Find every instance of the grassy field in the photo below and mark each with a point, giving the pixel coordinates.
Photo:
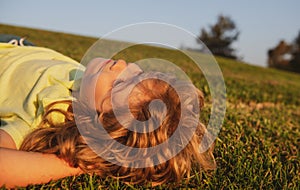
(258, 145)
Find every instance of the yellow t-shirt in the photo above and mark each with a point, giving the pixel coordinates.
(30, 79)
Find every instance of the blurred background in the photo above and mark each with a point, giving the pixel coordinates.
(249, 32)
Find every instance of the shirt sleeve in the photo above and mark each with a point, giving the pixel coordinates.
(16, 128)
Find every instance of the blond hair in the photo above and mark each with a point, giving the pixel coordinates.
(67, 143)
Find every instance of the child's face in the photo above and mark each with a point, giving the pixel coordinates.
(98, 79)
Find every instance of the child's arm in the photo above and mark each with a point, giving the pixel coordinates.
(20, 168)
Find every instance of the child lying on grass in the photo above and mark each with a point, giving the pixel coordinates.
(48, 101)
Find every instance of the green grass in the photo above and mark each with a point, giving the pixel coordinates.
(258, 145)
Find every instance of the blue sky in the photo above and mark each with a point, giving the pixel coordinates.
(261, 23)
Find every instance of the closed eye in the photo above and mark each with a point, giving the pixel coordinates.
(103, 66)
(112, 65)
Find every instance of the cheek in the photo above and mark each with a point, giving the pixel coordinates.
(102, 87)
(87, 90)
(98, 93)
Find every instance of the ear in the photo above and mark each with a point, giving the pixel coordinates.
(200, 98)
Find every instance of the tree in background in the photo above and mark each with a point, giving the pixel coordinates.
(279, 57)
(295, 61)
(285, 56)
(220, 37)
